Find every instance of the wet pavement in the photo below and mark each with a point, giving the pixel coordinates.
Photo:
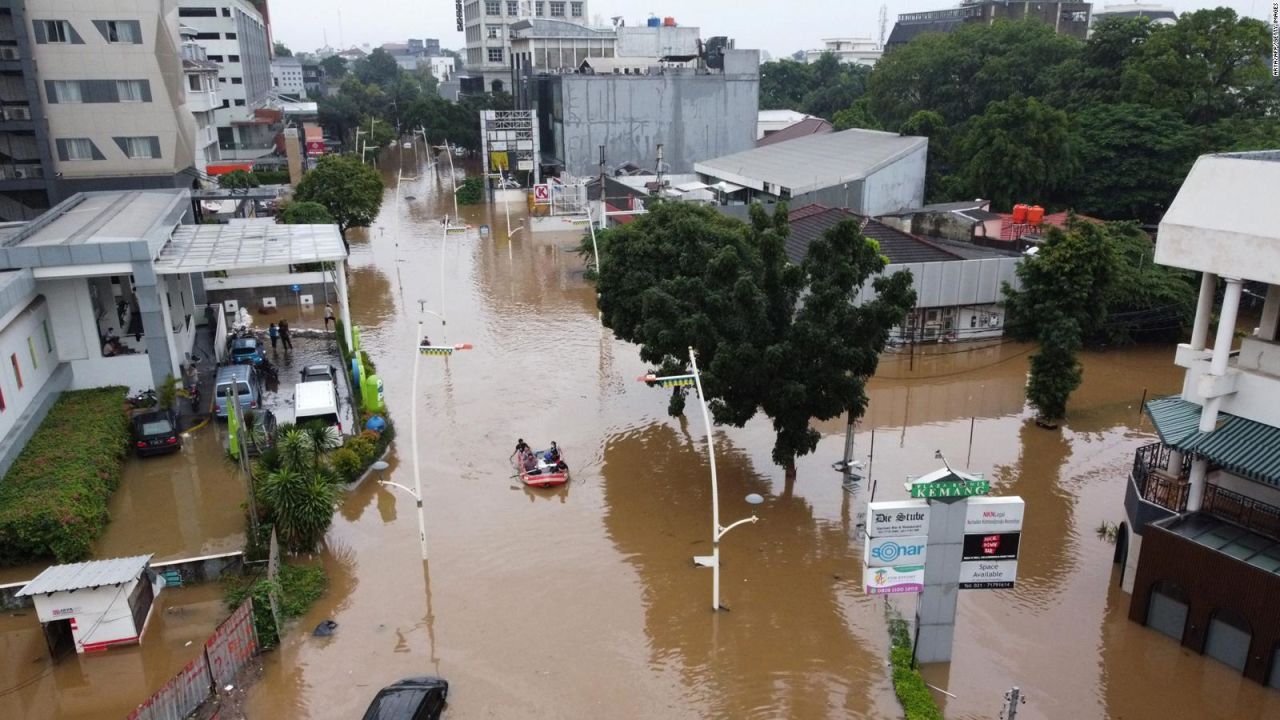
(583, 602)
(109, 684)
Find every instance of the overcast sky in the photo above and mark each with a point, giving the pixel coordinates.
(783, 29)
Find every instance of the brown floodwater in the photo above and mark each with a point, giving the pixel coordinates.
(583, 601)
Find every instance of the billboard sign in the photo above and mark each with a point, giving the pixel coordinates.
(994, 514)
(888, 552)
(886, 580)
(993, 546)
(315, 147)
(988, 574)
(950, 489)
(541, 194)
(897, 518)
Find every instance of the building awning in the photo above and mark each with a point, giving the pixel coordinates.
(726, 187)
(209, 248)
(92, 574)
(1243, 447)
(229, 167)
(692, 186)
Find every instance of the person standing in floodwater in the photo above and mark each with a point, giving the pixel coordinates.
(273, 332)
(328, 315)
(284, 335)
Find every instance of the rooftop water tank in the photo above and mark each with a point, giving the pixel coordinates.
(669, 21)
(1019, 214)
(1035, 214)
(655, 22)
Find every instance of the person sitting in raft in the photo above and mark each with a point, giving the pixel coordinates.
(552, 456)
(530, 462)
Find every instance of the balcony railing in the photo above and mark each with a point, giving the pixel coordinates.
(1243, 510)
(21, 172)
(1157, 482)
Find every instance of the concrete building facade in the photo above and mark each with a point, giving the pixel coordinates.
(287, 78)
(694, 114)
(235, 36)
(487, 25)
(850, 50)
(1066, 18)
(203, 99)
(1200, 543)
(93, 96)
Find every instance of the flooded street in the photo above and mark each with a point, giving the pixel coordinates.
(583, 602)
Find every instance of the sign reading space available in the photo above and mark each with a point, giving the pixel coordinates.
(994, 514)
(897, 518)
(988, 574)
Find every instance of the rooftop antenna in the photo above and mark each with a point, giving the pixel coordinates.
(341, 43)
(884, 22)
(937, 455)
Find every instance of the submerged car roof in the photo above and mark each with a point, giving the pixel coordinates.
(401, 700)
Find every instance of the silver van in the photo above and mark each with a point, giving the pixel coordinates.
(240, 381)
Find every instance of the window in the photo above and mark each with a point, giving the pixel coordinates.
(233, 58)
(215, 58)
(557, 9)
(31, 348)
(237, 81)
(495, 31)
(122, 31)
(193, 82)
(78, 148)
(197, 12)
(208, 36)
(48, 339)
(17, 371)
(538, 8)
(240, 103)
(495, 54)
(492, 7)
(130, 91)
(226, 103)
(226, 12)
(231, 36)
(139, 148)
(576, 9)
(56, 31)
(66, 91)
(222, 80)
(513, 7)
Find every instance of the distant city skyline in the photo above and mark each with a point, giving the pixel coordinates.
(304, 24)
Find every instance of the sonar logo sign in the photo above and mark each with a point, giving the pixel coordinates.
(887, 552)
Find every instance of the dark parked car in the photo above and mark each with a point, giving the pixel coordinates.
(312, 373)
(416, 698)
(247, 351)
(155, 432)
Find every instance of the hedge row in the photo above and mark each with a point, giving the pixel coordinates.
(915, 696)
(53, 501)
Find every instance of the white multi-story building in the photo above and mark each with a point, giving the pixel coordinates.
(851, 50)
(93, 99)
(442, 68)
(488, 33)
(286, 77)
(202, 98)
(1200, 545)
(235, 36)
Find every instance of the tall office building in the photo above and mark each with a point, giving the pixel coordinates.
(235, 36)
(92, 97)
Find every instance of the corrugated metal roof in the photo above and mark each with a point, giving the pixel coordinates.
(808, 223)
(91, 574)
(1244, 447)
(813, 162)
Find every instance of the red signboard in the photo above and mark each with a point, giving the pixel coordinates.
(315, 147)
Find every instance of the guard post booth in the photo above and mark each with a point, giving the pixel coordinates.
(91, 606)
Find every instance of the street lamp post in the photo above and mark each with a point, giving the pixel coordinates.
(454, 180)
(419, 350)
(717, 531)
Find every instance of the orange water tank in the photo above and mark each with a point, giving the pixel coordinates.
(1035, 214)
(1019, 213)
(669, 21)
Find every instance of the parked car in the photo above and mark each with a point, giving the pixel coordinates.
(155, 432)
(239, 381)
(415, 698)
(247, 351)
(312, 373)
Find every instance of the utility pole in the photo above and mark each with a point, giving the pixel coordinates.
(1012, 700)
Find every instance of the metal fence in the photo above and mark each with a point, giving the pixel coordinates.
(225, 653)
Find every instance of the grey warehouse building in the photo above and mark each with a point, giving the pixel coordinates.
(866, 171)
(694, 113)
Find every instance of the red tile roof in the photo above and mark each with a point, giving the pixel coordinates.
(1010, 231)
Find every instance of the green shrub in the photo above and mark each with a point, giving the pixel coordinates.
(347, 464)
(914, 695)
(271, 177)
(471, 192)
(53, 501)
(300, 586)
(362, 448)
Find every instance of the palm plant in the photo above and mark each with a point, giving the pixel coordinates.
(301, 505)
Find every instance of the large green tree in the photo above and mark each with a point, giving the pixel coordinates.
(334, 67)
(350, 190)
(1019, 149)
(304, 213)
(1133, 158)
(1064, 286)
(685, 276)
